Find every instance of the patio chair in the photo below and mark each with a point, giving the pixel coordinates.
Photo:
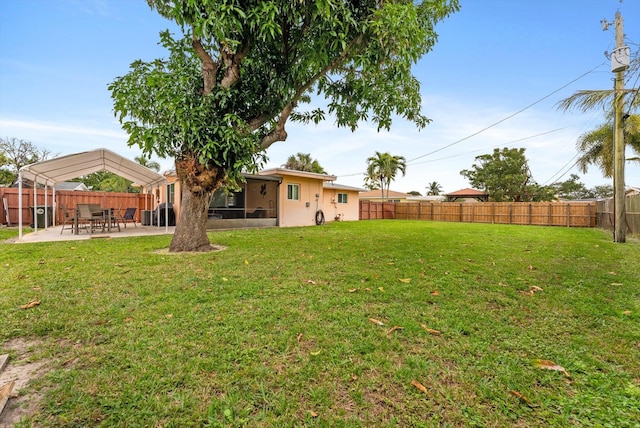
(67, 219)
(129, 215)
(92, 216)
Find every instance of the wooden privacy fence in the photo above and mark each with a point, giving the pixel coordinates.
(572, 214)
(69, 199)
(605, 214)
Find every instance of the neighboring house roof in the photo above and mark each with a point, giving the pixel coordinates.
(336, 186)
(427, 198)
(296, 173)
(632, 191)
(467, 192)
(71, 185)
(369, 194)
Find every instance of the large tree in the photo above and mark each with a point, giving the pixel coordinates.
(241, 70)
(16, 153)
(383, 168)
(506, 176)
(304, 162)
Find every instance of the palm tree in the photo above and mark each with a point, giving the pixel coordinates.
(144, 161)
(596, 146)
(383, 167)
(303, 162)
(434, 188)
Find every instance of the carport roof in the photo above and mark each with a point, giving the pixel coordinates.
(64, 168)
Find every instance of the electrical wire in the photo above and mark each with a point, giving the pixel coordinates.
(510, 116)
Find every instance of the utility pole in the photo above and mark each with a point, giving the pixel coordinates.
(619, 211)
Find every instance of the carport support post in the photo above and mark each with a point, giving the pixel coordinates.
(20, 205)
(35, 204)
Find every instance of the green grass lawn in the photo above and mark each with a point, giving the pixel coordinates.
(280, 328)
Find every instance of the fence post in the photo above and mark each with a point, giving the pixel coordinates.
(493, 212)
(568, 215)
(460, 212)
(530, 215)
(511, 213)
(550, 220)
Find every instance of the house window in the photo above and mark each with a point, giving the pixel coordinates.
(293, 192)
(342, 198)
(171, 190)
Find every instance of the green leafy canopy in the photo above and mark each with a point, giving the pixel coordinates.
(242, 69)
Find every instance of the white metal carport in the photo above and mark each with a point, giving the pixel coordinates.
(52, 171)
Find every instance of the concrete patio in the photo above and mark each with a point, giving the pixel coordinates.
(53, 234)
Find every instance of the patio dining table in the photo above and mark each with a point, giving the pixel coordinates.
(106, 214)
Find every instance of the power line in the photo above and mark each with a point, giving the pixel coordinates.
(508, 117)
(501, 145)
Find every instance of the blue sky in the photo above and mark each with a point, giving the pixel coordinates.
(493, 59)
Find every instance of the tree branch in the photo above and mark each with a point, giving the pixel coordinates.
(279, 133)
(232, 63)
(209, 66)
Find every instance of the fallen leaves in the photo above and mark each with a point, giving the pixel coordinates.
(532, 290)
(30, 305)
(394, 328)
(405, 280)
(550, 365)
(421, 388)
(521, 396)
(430, 330)
(375, 321)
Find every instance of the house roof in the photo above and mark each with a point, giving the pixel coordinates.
(378, 194)
(467, 192)
(296, 173)
(336, 186)
(63, 168)
(70, 185)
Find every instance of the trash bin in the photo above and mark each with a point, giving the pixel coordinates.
(39, 216)
(146, 217)
(159, 216)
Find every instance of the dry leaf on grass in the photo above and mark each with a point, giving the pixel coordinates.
(421, 387)
(299, 337)
(310, 281)
(430, 330)
(30, 305)
(375, 321)
(550, 365)
(520, 396)
(129, 319)
(435, 293)
(394, 328)
(313, 414)
(353, 290)
(405, 280)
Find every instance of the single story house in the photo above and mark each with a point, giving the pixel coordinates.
(274, 197)
(376, 196)
(341, 203)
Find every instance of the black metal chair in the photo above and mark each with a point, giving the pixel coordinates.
(129, 215)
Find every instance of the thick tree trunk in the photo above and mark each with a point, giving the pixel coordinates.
(198, 183)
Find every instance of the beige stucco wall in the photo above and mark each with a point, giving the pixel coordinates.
(297, 213)
(347, 212)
